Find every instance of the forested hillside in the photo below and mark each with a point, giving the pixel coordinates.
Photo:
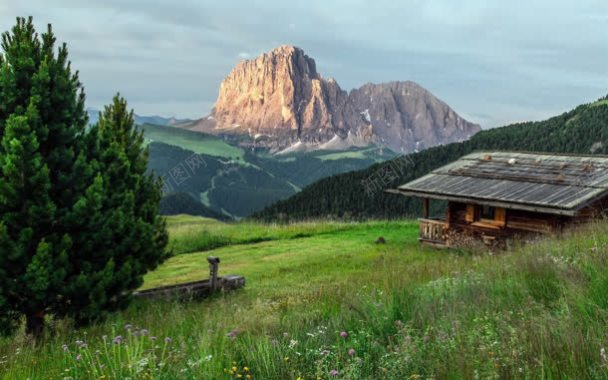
(234, 183)
(360, 194)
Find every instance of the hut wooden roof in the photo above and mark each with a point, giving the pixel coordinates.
(551, 183)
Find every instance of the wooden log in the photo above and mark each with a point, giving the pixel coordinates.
(197, 289)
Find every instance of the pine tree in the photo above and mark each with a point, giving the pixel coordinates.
(79, 221)
(127, 237)
(42, 119)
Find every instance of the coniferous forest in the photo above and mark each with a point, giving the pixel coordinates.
(360, 195)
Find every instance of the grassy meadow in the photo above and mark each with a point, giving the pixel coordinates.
(323, 301)
(193, 141)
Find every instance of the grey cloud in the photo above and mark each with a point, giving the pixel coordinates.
(494, 62)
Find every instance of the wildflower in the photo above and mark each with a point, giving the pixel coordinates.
(285, 335)
(65, 348)
(286, 359)
(78, 357)
(352, 352)
(153, 338)
(144, 332)
(128, 326)
(344, 334)
(234, 369)
(603, 355)
(233, 334)
(248, 376)
(168, 340)
(334, 372)
(117, 339)
(246, 369)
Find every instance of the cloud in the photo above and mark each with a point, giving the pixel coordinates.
(494, 62)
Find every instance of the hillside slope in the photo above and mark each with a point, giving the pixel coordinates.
(583, 130)
(236, 183)
(182, 203)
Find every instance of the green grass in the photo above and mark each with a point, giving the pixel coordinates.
(267, 251)
(409, 312)
(190, 234)
(602, 102)
(340, 155)
(361, 153)
(193, 141)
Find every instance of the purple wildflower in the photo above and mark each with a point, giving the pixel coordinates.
(144, 332)
(128, 326)
(168, 340)
(233, 334)
(78, 357)
(352, 352)
(117, 339)
(65, 348)
(334, 372)
(153, 338)
(344, 334)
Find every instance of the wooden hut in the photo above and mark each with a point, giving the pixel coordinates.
(494, 196)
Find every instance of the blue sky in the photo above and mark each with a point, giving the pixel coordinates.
(494, 62)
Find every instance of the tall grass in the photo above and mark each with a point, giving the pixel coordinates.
(394, 311)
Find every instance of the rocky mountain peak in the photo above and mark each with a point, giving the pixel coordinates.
(279, 99)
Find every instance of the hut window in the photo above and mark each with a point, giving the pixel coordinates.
(487, 212)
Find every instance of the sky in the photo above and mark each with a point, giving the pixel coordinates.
(494, 62)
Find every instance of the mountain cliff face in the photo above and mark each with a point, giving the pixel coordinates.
(406, 117)
(280, 101)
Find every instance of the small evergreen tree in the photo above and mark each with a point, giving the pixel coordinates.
(79, 221)
(121, 208)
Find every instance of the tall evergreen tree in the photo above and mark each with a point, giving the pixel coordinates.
(127, 236)
(78, 214)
